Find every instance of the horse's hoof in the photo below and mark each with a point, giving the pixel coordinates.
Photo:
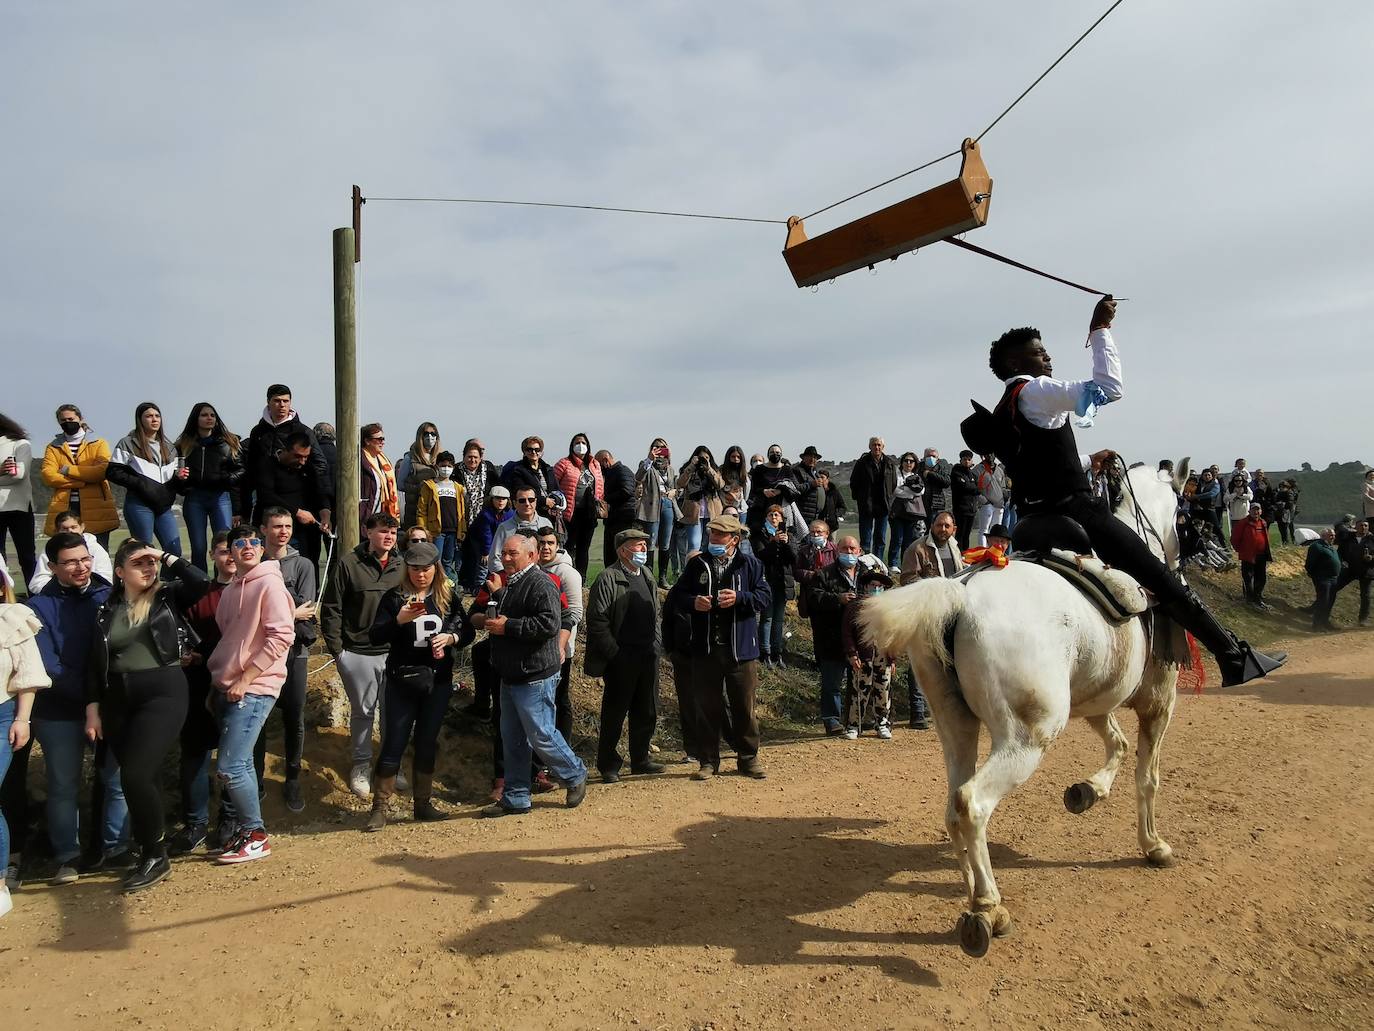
(975, 934)
(1160, 857)
(1080, 797)
(1001, 922)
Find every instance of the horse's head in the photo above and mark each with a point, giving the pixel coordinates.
(1150, 508)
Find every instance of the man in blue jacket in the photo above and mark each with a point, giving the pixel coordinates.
(67, 607)
(722, 591)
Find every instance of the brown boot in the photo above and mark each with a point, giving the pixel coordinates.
(382, 791)
(423, 784)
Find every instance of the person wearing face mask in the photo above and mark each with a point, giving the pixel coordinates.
(721, 592)
(623, 644)
(814, 553)
(582, 483)
(937, 474)
(770, 484)
(830, 592)
(442, 511)
(734, 478)
(655, 510)
(416, 467)
(74, 466)
(778, 556)
(868, 697)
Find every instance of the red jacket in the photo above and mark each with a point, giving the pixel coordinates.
(1250, 538)
(567, 472)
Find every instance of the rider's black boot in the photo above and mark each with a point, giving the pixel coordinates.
(1238, 661)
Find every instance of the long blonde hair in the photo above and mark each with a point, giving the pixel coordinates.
(439, 587)
(139, 607)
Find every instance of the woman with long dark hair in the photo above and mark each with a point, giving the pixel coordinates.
(138, 692)
(146, 465)
(579, 478)
(214, 466)
(700, 483)
(16, 493)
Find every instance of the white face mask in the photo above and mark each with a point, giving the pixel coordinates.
(429, 439)
(445, 471)
(579, 448)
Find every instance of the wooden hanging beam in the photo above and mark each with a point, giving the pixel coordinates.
(937, 214)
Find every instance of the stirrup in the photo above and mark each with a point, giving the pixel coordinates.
(1246, 664)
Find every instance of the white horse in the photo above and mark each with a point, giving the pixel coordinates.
(1019, 650)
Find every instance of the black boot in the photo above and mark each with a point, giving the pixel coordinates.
(423, 785)
(663, 569)
(1238, 661)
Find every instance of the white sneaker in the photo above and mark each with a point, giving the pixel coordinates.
(884, 732)
(6, 903)
(360, 780)
(851, 733)
(401, 783)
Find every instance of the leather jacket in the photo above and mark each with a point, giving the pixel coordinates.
(171, 634)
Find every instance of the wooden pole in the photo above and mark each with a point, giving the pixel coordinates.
(347, 488)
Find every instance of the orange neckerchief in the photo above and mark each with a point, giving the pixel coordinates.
(995, 557)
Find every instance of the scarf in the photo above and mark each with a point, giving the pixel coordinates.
(474, 486)
(381, 471)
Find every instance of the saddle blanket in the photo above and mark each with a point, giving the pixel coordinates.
(1116, 594)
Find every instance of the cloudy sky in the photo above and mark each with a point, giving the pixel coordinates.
(172, 180)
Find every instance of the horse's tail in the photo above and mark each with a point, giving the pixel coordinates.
(915, 619)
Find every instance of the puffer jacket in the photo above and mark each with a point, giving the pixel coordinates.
(568, 473)
(151, 481)
(211, 465)
(86, 476)
(68, 615)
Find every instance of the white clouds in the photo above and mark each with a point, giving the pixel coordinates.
(175, 184)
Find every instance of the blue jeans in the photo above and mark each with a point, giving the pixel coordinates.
(873, 533)
(6, 721)
(905, 532)
(240, 723)
(528, 727)
(199, 507)
(833, 676)
(447, 543)
(661, 532)
(774, 625)
(143, 524)
(64, 749)
(687, 538)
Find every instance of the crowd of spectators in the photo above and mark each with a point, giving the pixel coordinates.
(133, 655)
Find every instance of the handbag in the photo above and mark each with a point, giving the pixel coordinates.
(415, 679)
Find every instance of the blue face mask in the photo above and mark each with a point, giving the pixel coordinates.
(873, 590)
(639, 557)
(716, 549)
(817, 540)
(849, 560)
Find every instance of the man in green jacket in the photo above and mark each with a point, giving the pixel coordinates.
(355, 589)
(623, 644)
(1323, 565)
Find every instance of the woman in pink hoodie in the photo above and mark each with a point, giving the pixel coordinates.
(256, 616)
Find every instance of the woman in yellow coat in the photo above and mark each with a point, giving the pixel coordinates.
(74, 467)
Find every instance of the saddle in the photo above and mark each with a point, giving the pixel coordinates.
(1061, 545)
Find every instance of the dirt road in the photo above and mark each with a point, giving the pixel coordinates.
(824, 896)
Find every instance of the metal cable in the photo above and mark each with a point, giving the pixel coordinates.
(578, 207)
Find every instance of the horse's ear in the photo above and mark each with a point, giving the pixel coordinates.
(1181, 473)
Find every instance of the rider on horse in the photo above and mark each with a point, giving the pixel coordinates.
(1031, 431)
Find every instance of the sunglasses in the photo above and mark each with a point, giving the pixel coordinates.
(534, 450)
(247, 542)
(524, 501)
(376, 440)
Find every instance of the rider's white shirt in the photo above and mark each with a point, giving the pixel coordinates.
(1047, 402)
